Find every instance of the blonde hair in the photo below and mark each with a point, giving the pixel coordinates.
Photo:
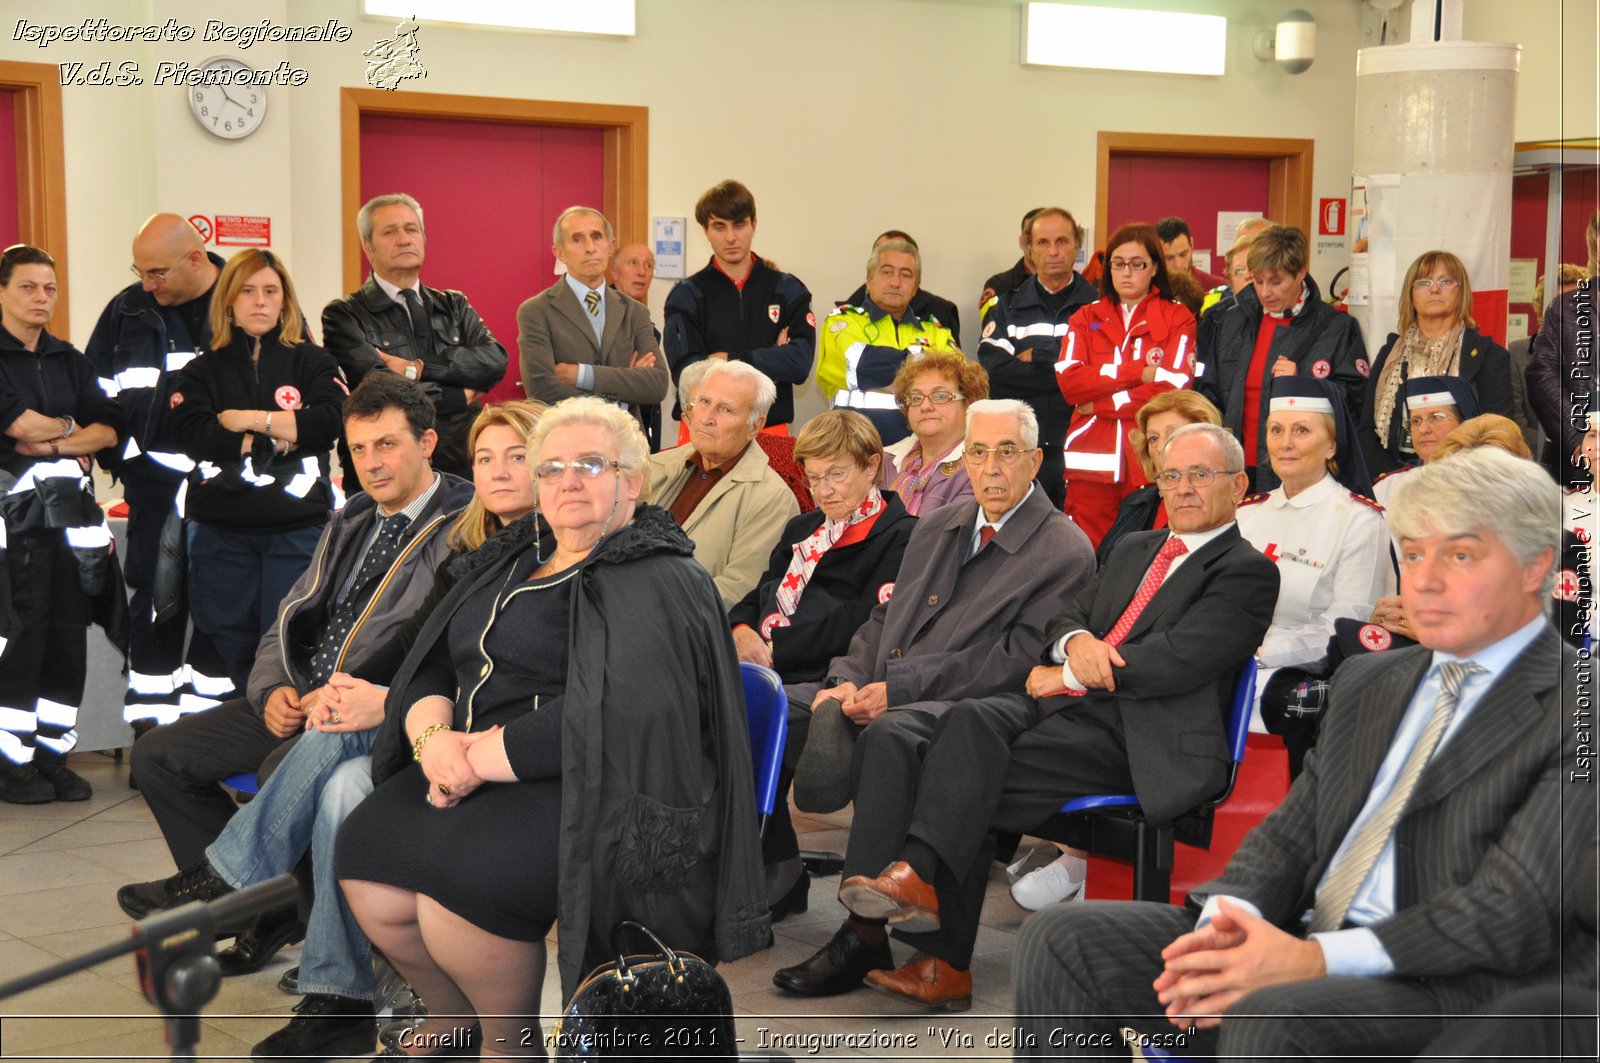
(1196, 408)
(1424, 266)
(240, 268)
(1485, 430)
(845, 433)
(476, 524)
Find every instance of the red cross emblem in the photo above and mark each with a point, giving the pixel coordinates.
(1375, 637)
(791, 582)
(1271, 552)
(773, 311)
(770, 621)
(886, 592)
(287, 397)
(1567, 585)
(1362, 367)
(1154, 356)
(176, 400)
(1321, 369)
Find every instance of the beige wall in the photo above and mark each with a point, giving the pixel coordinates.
(920, 117)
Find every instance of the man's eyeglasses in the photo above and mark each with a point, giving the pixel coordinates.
(1129, 265)
(153, 276)
(938, 398)
(1005, 453)
(1199, 477)
(587, 466)
(1443, 284)
(1437, 418)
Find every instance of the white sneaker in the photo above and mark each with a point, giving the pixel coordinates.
(1046, 886)
(1035, 857)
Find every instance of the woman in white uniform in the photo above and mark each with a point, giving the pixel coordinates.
(1435, 406)
(1328, 539)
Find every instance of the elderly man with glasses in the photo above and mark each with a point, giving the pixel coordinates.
(980, 580)
(1128, 699)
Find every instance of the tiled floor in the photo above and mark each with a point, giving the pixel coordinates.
(60, 866)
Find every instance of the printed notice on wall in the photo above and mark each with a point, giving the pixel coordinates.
(1524, 276)
(243, 230)
(669, 236)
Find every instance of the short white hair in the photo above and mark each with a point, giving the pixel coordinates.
(632, 449)
(1232, 452)
(1484, 489)
(1027, 420)
(555, 230)
(766, 390)
(689, 380)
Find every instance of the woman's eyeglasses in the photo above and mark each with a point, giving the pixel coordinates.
(587, 466)
(938, 398)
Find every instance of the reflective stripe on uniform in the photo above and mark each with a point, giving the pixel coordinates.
(1091, 462)
(153, 685)
(89, 538)
(864, 400)
(1041, 328)
(208, 685)
(177, 462)
(12, 749)
(852, 361)
(55, 714)
(62, 743)
(18, 721)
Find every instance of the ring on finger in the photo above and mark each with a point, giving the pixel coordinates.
(444, 788)
(335, 717)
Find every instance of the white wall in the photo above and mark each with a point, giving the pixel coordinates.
(845, 117)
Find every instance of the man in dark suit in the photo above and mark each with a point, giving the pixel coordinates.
(1141, 663)
(582, 337)
(979, 581)
(393, 322)
(1416, 868)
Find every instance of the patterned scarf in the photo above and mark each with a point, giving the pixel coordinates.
(808, 552)
(1424, 357)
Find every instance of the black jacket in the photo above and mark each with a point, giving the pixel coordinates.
(301, 378)
(1011, 325)
(847, 584)
(1484, 364)
(1136, 514)
(57, 381)
(707, 313)
(1321, 341)
(658, 806)
(138, 347)
(1004, 283)
(464, 354)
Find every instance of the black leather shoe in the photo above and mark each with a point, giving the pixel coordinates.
(197, 883)
(21, 784)
(838, 968)
(254, 949)
(290, 982)
(68, 784)
(323, 1027)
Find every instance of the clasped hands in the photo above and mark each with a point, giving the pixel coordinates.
(448, 766)
(860, 705)
(1208, 969)
(1094, 663)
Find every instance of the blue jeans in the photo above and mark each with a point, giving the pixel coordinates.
(300, 808)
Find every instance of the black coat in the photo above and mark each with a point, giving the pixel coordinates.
(658, 820)
(1561, 379)
(57, 381)
(1321, 341)
(847, 584)
(1136, 514)
(1484, 364)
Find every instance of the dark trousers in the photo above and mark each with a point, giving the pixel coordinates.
(1543, 1021)
(178, 769)
(1083, 971)
(155, 651)
(236, 583)
(1052, 475)
(1004, 763)
(42, 667)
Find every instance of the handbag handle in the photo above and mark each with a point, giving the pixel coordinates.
(617, 944)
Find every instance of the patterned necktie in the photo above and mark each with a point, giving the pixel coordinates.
(1340, 886)
(421, 334)
(592, 301)
(1171, 549)
(379, 555)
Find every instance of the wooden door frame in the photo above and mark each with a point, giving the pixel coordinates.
(1288, 173)
(42, 173)
(625, 149)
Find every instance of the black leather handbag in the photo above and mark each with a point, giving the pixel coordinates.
(661, 1005)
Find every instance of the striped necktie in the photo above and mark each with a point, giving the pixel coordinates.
(592, 301)
(1344, 880)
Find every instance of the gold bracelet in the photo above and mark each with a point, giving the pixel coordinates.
(422, 739)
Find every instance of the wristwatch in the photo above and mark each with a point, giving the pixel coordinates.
(413, 370)
(68, 426)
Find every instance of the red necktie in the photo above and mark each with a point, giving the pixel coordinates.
(985, 533)
(1171, 549)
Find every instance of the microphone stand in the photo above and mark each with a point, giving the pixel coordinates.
(175, 953)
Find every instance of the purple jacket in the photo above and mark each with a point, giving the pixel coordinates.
(949, 481)
(1561, 376)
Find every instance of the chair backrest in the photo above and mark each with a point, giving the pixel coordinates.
(768, 708)
(1238, 721)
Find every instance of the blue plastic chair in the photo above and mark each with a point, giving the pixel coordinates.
(1113, 825)
(768, 709)
(243, 783)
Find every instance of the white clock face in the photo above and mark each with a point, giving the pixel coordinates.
(227, 110)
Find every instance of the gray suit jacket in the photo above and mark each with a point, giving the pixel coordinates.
(1494, 830)
(554, 327)
(957, 629)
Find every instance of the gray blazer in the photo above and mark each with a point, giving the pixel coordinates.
(1494, 829)
(964, 629)
(554, 327)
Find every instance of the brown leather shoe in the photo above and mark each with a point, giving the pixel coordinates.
(898, 895)
(927, 981)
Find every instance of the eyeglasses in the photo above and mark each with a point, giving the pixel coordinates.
(1005, 453)
(1199, 477)
(837, 476)
(1129, 265)
(938, 398)
(1443, 284)
(587, 466)
(154, 276)
(1239, 271)
(1436, 418)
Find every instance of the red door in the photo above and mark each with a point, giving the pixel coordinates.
(1193, 187)
(490, 192)
(1530, 211)
(9, 225)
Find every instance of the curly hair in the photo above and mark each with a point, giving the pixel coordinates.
(972, 380)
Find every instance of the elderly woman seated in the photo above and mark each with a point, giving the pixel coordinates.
(830, 569)
(1435, 405)
(925, 468)
(1154, 424)
(566, 740)
(1328, 539)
